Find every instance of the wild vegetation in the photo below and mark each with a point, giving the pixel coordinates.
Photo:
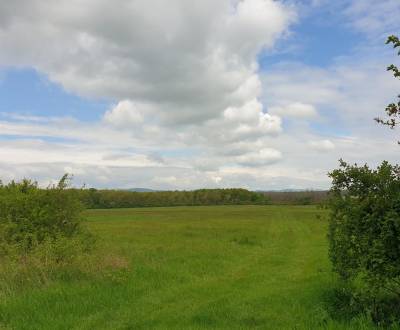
(364, 237)
(30, 216)
(214, 267)
(364, 230)
(42, 236)
(197, 267)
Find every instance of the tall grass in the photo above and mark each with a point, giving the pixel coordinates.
(225, 267)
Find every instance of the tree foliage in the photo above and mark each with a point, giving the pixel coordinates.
(393, 109)
(364, 230)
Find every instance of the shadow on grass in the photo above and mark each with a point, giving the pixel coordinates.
(342, 305)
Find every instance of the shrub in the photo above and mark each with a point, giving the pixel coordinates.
(364, 233)
(30, 216)
(42, 239)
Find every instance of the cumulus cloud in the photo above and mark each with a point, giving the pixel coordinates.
(124, 115)
(250, 120)
(191, 61)
(184, 75)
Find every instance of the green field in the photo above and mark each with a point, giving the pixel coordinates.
(224, 267)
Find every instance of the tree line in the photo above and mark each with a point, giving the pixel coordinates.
(94, 198)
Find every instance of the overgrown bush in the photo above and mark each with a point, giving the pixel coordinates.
(42, 238)
(364, 236)
(30, 216)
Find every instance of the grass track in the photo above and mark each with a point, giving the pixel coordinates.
(224, 267)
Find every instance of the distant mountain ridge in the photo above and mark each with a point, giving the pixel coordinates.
(141, 190)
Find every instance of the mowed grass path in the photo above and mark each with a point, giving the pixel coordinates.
(225, 267)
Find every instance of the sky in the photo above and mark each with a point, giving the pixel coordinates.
(177, 94)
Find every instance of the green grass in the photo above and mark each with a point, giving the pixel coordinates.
(225, 267)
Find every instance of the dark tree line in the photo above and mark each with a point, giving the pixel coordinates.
(310, 197)
(93, 198)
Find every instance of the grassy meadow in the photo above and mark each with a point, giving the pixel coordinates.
(222, 267)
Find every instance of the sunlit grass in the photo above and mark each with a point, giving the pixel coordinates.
(225, 267)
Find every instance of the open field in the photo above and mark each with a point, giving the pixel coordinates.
(223, 267)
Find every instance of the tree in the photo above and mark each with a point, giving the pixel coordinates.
(364, 237)
(393, 109)
(364, 229)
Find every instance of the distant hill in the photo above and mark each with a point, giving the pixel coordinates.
(141, 190)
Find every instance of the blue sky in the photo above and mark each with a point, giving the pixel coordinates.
(26, 91)
(318, 39)
(267, 96)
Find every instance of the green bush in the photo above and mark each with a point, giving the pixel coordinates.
(30, 216)
(42, 239)
(364, 234)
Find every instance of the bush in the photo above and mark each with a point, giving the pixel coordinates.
(42, 239)
(30, 216)
(364, 233)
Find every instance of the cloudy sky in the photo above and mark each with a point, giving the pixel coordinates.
(180, 94)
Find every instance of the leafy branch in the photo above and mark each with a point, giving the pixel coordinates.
(393, 109)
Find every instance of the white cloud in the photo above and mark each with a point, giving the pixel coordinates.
(124, 115)
(259, 158)
(295, 110)
(322, 145)
(255, 24)
(184, 76)
(189, 61)
(250, 120)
